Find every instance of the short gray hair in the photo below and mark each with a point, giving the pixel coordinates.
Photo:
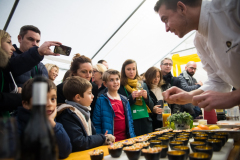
(166, 59)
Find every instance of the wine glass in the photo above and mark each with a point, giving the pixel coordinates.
(9, 148)
(139, 87)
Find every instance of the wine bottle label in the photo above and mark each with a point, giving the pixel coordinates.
(39, 93)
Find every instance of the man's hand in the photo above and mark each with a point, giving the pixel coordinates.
(200, 83)
(157, 109)
(44, 49)
(177, 96)
(215, 100)
(19, 90)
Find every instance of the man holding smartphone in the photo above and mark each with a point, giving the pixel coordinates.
(29, 37)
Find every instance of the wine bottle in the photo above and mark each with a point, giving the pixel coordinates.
(38, 138)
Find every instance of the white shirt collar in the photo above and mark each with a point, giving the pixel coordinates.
(204, 17)
(109, 96)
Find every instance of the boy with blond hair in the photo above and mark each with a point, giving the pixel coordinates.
(112, 111)
(75, 115)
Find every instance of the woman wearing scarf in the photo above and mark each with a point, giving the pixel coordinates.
(154, 81)
(140, 101)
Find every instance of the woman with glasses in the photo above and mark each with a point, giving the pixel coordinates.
(81, 66)
(98, 70)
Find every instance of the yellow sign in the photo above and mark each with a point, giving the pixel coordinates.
(178, 61)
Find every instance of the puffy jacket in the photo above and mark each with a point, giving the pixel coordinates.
(79, 138)
(103, 116)
(38, 69)
(63, 141)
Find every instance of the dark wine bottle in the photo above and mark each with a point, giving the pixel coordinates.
(38, 142)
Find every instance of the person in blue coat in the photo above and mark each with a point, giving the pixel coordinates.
(29, 37)
(24, 113)
(112, 111)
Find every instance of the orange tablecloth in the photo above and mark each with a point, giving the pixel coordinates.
(83, 155)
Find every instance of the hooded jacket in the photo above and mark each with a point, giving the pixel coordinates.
(103, 116)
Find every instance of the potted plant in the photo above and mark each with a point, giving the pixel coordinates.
(180, 121)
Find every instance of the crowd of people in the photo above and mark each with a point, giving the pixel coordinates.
(96, 105)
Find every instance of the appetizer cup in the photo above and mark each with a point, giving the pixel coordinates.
(165, 140)
(164, 150)
(205, 149)
(199, 156)
(184, 140)
(196, 143)
(222, 138)
(183, 148)
(176, 155)
(223, 134)
(96, 154)
(155, 142)
(175, 143)
(216, 144)
(152, 153)
(133, 153)
(203, 139)
(115, 149)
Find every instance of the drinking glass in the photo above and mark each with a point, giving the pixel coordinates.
(139, 88)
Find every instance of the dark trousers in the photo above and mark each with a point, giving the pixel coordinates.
(142, 126)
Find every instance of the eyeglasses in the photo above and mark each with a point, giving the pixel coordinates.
(192, 68)
(167, 64)
(94, 71)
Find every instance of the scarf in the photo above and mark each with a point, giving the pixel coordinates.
(81, 112)
(190, 79)
(157, 92)
(132, 86)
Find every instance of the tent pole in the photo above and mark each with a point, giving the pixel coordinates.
(10, 15)
(173, 49)
(119, 28)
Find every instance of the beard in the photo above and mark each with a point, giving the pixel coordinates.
(4, 58)
(190, 73)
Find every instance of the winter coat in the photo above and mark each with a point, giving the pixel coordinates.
(103, 116)
(74, 127)
(17, 65)
(38, 69)
(169, 82)
(61, 98)
(63, 141)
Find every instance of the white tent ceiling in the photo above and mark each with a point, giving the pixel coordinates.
(86, 25)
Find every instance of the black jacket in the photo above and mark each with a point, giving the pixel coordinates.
(38, 69)
(169, 82)
(156, 123)
(62, 139)
(79, 138)
(17, 65)
(61, 98)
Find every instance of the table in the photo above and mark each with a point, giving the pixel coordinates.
(83, 155)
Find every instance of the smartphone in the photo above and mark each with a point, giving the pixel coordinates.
(63, 50)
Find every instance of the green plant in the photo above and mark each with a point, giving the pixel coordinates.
(180, 118)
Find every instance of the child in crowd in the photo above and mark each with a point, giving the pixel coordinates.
(112, 111)
(75, 115)
(23, 116)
